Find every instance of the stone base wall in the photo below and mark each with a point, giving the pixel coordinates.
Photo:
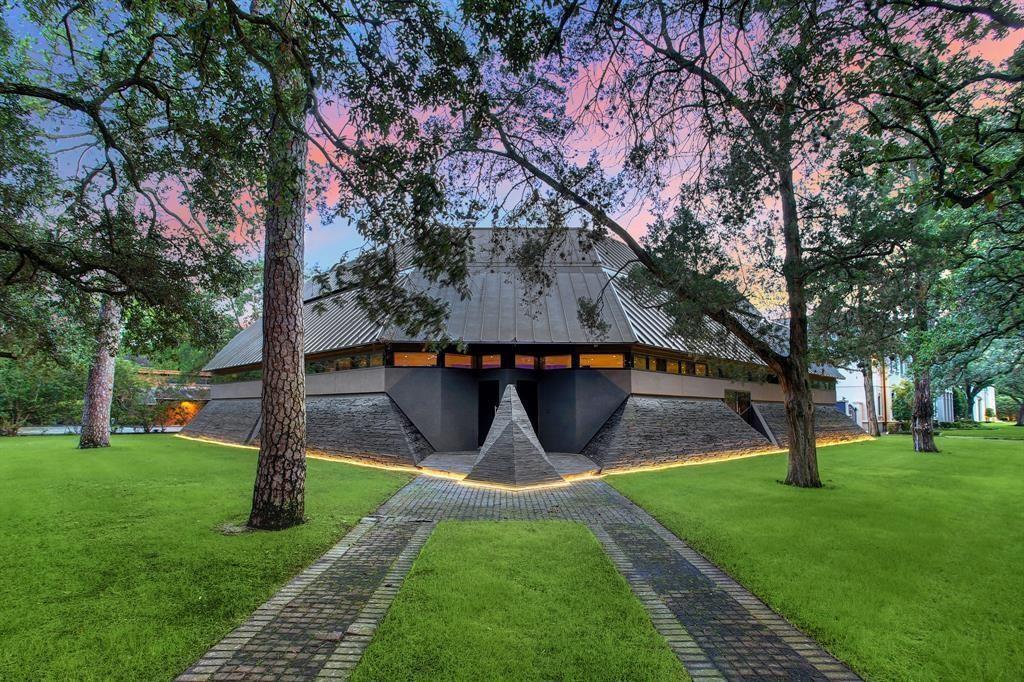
(648, 430)
(830, 425)
(369, 426)
(231, 421)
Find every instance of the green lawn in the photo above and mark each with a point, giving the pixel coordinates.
(112, 565)
(997, 430)
(906, 566)
(516, 601)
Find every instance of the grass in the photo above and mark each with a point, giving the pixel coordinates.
(906, 566)
(996, 430)
(516, 601)
(113, 567)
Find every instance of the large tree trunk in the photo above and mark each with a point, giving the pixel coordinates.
(923, 429)
(802, 470)
(924, 408)
(99, 388)
(971, 391)
(868, 372)
(279, 493)
(1020, 415)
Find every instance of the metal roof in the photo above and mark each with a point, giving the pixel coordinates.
(500, 309)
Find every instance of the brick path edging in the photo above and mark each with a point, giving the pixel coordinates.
(319, 625)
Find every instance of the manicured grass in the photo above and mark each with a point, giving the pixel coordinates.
(516, 601)
(906, 566)
(997, 430)
(112, 564)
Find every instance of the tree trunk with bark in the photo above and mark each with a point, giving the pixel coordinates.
(279, 493)
(802, 467)
(923, 415)
(99, 388)
(923, 429)
(1020, 415)
(802, 470)
(868, 372)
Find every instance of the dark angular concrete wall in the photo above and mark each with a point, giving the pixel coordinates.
(442, 403)
(368, 426)
(574, 404)
(648, 430)
(830, 425)
(233, 420)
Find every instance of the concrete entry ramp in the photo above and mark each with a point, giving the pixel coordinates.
(511, 455)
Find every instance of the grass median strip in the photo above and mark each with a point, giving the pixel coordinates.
(516, 600)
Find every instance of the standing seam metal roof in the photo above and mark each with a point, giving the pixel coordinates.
(496, 311)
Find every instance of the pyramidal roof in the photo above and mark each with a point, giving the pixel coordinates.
(511, 454)
(503, 308)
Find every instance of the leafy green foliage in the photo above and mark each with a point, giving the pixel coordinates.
(37, 390)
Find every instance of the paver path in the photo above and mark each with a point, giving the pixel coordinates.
(320, 623)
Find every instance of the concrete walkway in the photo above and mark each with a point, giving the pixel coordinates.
(318, 626)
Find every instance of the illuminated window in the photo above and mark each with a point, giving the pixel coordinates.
(639, 362)
(556, 362)
(458, 361)
(526, 362)
(490, 361)
(672, 367)
(616, 360)
(415, 359)
(700, 369)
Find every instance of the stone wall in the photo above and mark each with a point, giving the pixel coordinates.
(369, 426)
(648, 430)
(830, 425)
(232, 421)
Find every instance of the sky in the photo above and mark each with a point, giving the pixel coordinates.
(326, 244)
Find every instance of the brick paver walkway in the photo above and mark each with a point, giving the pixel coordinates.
(319, 625)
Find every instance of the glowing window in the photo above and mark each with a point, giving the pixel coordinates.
(415, 359)
(672, 366)
(556, 362)
(639, 362)
(687, 368)
(700, 369)
(526, 362)
(490, 361)
(615, 360)
(458, 361)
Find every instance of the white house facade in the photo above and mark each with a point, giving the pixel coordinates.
(983, 402)
(887, 375)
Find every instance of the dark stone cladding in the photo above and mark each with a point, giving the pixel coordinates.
(648, 430)
(830, 425)
(231, 420)
(366, 426)
(511, 454)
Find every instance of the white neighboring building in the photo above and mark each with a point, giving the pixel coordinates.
(887, 375)
(986, 400)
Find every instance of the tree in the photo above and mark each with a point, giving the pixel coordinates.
(39, 391)
(111, 123)
(719, 118)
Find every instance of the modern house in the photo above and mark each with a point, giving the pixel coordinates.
(632, 394)
(887, 375)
